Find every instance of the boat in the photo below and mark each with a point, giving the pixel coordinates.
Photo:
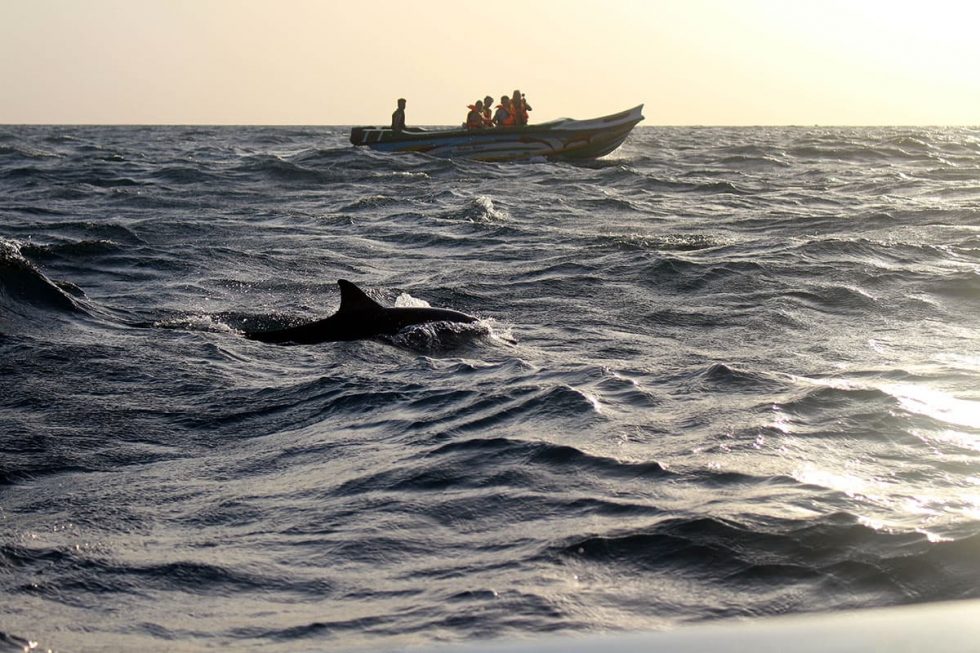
(563, 139)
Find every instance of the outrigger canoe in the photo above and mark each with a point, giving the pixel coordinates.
(562, 139)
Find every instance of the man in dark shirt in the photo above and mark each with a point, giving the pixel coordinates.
(398, 117)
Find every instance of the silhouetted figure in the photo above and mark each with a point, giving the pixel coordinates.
(398, 117)
(488, 111)
(519, 108)
(503, 117)
(474, 119)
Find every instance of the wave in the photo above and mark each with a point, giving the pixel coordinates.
(845, 151)
(753, 162)
(724, 378)
(496, 462)
(673, 317)
(185, 175)
(108, 181)
(896, 402)
(25, 174)
(961, 286)
(35, 210)
(102, 230)
(87, 575)
(333, 165)
(835, 553)
(24, 289)
(608, 203)
(868, 251)
(314, 157)
(690, 275)
(837, 392)
(525, 404)
(479, 209)
(192, 322)
(278, 169)
(370, 203)
(72, 249)
(662, 243)
(657, 185)
(836, 299)
(502, 451)
(443, 337)
(15, 152)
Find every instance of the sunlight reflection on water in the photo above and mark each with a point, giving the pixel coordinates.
(936, 404)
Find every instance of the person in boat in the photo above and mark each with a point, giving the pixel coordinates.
(503, 117)
(398, 117)
(488, 111)
(519, 107)
(474, 119)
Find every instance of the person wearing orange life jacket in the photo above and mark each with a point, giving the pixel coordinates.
(519, 107)
(488, 111)
(503, 117)
(474, 119)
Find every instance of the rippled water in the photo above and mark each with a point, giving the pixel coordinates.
(723, 372)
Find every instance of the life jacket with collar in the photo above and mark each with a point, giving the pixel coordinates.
(509, 121)
(519, 108)
(474, 119)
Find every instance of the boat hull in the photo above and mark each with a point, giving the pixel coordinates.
(564, 139)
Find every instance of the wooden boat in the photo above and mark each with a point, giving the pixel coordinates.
(562, 139)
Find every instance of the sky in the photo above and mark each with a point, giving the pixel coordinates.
(343, 62)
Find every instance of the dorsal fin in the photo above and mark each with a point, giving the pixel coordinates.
(353, 298)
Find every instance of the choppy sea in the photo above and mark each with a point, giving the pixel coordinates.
(724, 372)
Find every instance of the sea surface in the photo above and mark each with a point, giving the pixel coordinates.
(723, 372)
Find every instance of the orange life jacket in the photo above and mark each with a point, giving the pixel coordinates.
(474, 119)
(509, 120)
(519, 108)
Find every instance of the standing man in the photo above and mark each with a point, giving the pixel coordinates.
(398, 117)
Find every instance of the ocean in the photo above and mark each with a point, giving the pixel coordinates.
(723, 372)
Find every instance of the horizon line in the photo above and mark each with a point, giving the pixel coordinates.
(445, 126)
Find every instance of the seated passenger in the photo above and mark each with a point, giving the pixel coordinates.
(488, 111)
(519, 107)
(503, 117)
(474, 119)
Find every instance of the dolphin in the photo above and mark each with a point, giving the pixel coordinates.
(358, 317)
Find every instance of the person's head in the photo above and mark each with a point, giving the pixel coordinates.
(487, 101)
(504, 100)
(516, 95)
(479, 104)
(401, 103)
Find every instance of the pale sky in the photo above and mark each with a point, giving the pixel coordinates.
(342, 62)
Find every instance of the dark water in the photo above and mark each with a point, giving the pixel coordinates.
(724, 372)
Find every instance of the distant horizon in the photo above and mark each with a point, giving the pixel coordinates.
(435, 126)
(315, 62)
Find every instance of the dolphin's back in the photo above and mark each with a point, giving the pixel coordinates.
(303, 334)
(358, 317)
